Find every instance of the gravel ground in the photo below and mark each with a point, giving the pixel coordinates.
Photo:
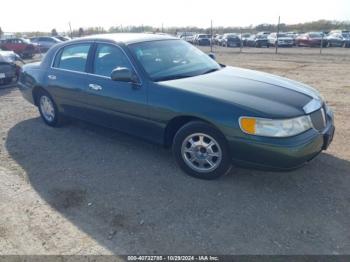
(83, 189)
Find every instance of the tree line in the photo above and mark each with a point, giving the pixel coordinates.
(320, 25)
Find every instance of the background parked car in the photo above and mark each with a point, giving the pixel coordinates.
(231, 40)
(20, 46)
(338, 38)
(63, 38)
(283, 40)
(218, 39)
(244, 38)
(264, 33)
(311, 39)
(293, 35)
(45, 42)
(202, 39)
(187, 36)
(9, 70)
(257, 41)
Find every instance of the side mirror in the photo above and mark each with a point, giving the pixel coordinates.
(123, 74)
(212, 56)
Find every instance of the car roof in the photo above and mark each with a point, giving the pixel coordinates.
(128, 38)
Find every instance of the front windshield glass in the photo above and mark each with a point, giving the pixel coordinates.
(25, 40)
(261, 36)
(315, 35)
(172, 59)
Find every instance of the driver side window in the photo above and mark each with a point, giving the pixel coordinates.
(107, 58)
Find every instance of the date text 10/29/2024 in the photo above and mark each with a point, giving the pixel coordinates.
(173, 258)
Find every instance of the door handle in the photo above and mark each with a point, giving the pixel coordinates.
(52, 77)
(95, 87)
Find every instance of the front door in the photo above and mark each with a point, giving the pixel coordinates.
(117, 104)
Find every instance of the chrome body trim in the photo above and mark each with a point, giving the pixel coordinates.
(312, 106)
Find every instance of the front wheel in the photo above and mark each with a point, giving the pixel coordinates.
(201, 151)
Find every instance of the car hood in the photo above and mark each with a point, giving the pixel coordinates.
(258, 92)
(285, 38)
(8, 56)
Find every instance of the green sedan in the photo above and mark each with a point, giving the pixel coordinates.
(169, 92)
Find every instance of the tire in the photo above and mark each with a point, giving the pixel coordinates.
(44, 99)
(203, 135)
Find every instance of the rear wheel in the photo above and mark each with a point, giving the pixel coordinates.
(48, 109)
(201, 151)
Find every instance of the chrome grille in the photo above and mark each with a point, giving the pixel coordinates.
(319, 119)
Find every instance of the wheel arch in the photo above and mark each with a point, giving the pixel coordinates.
(176, 123)
(36, 91)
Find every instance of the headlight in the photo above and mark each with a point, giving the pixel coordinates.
(275, 127)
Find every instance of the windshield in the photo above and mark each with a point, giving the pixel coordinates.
(25, 40)
(203, 36)
(261, 36)
(315, 35)
(282, 35)
(172, 59)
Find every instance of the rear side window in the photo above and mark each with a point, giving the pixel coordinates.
(107, 58)
(73, 57)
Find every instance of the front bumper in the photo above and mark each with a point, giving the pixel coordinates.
(8, 72)
(204, 42)
(261, 43)
(233, 44)
(281, 153)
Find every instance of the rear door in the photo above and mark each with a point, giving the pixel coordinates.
(67, 78)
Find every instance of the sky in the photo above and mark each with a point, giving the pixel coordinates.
(44, 15)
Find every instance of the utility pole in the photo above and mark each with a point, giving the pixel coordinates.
(211, 36)
(70, 29)
(278, 31)
(241, 42)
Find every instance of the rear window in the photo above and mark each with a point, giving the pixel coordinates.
(73, 57)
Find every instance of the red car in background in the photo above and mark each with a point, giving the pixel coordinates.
(311, 39)
(23, 47)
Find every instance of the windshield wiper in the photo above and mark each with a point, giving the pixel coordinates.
(165, 78)
(210, 71)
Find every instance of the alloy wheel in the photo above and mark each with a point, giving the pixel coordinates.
(201, 152)
(47, 108)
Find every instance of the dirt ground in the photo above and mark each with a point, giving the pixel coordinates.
(83, 189)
